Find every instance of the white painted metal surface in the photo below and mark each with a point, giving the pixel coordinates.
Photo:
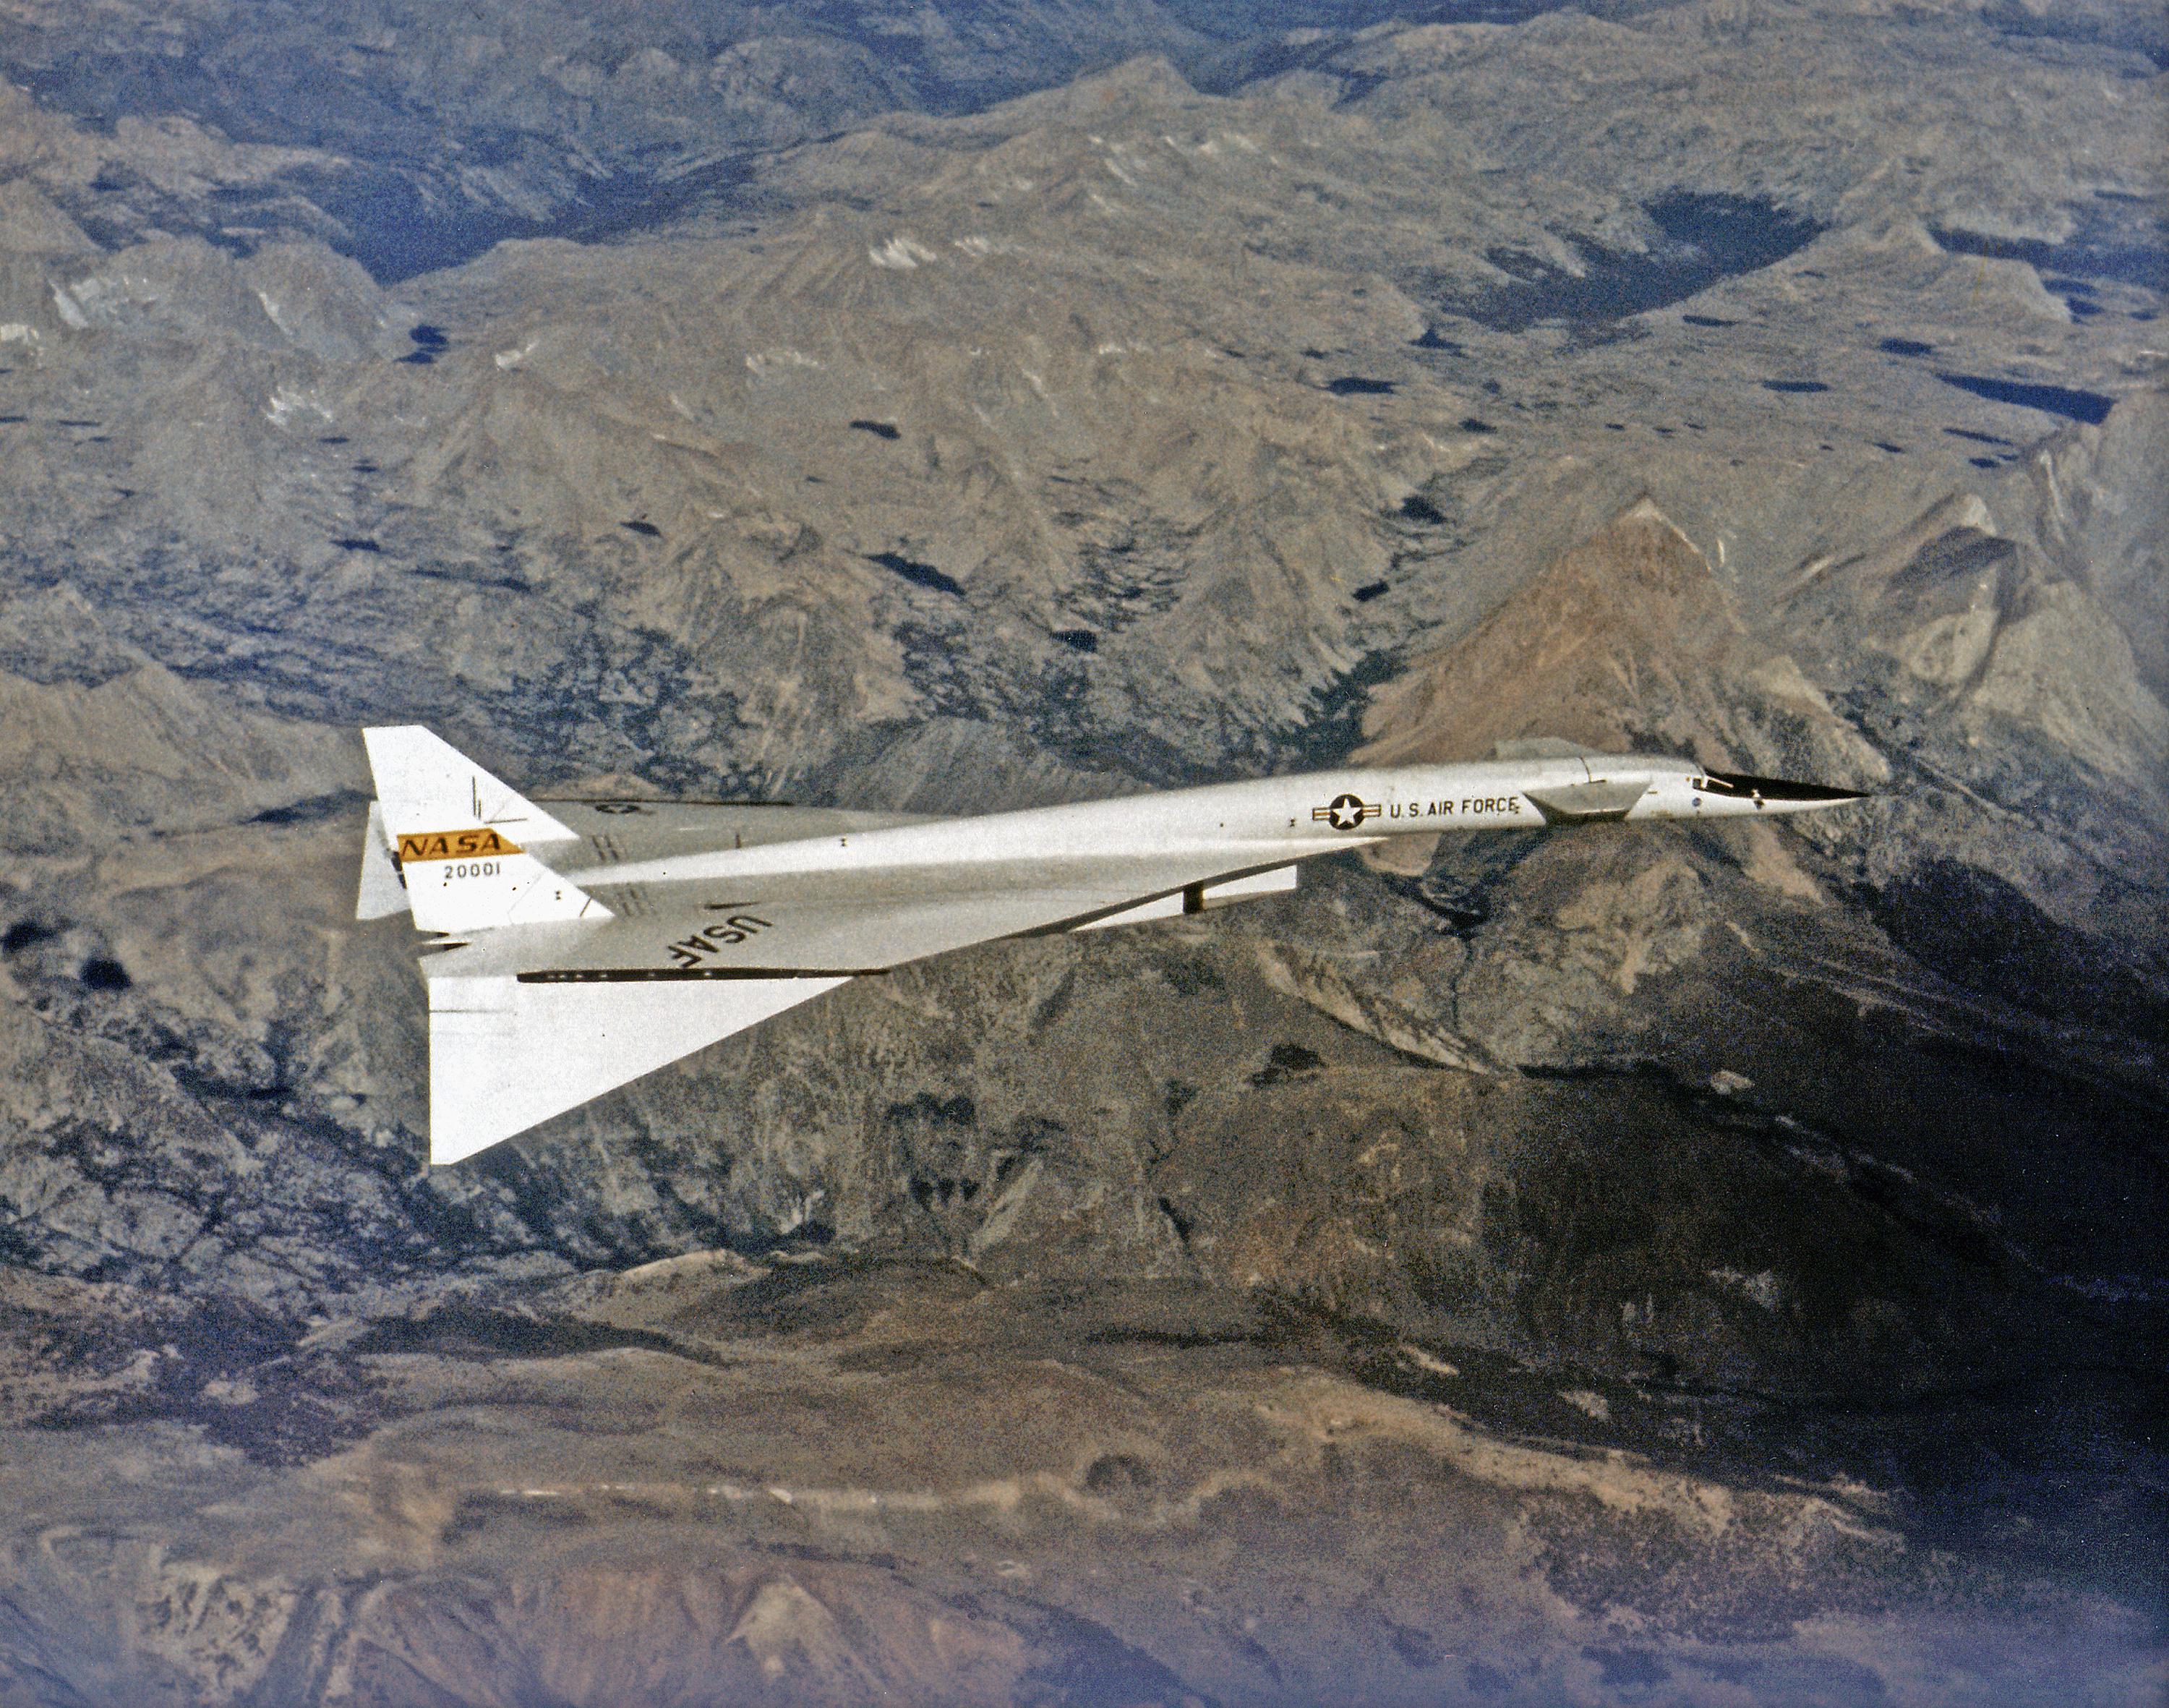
(581, 948)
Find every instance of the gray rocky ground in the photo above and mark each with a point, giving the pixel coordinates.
(1708, 1266)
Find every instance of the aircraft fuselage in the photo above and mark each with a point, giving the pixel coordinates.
(1260, 822)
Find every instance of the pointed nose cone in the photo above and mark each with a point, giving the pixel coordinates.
(1777, 793)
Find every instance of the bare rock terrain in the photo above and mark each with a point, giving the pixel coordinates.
(1613, 1266)
(715, 1476)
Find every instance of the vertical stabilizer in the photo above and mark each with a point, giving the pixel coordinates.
(463, 839)
(425, 784)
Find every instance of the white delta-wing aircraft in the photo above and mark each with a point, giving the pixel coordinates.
(580, 944)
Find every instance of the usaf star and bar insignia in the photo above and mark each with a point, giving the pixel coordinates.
(1345, 812)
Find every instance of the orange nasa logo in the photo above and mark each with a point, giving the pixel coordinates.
(453, 844)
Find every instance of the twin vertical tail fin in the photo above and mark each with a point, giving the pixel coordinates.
(460, 849)
(459, 842)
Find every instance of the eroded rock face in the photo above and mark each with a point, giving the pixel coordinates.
(1221, 1310)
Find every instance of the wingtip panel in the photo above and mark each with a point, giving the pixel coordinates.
(382, 891)
(506, 1055)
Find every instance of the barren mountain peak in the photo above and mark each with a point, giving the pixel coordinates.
(1593, 647)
